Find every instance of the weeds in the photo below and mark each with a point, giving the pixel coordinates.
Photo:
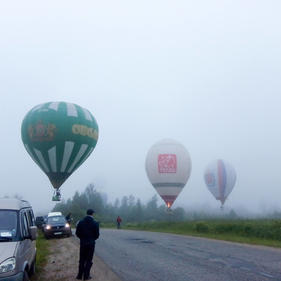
(42, 246)
(263, 232)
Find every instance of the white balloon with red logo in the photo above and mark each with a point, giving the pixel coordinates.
(168, 167)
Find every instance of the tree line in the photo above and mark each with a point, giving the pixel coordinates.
(129, 208)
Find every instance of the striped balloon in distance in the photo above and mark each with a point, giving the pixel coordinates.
(220, 178)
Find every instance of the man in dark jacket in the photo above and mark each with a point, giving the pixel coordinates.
(87, 230)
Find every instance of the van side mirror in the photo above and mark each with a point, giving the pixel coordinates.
(33, 232)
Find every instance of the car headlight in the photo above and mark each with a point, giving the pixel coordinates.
(8, 265)
(48, 227)
(67, 225)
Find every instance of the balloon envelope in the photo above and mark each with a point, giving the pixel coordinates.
(220, 178)
(59, 137)
(168, 167)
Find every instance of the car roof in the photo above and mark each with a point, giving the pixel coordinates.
(51, 214)
(13, 204)
(58, 216)
(51, 219)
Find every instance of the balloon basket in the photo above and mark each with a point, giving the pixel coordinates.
(169, 210)
(57, 196)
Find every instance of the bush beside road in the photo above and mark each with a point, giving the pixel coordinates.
(43, 251)
(259, 232)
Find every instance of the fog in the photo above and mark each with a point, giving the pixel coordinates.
(205, 73)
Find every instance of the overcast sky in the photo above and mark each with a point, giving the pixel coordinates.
(205, 73)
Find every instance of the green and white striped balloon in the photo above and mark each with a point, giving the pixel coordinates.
(59, 137)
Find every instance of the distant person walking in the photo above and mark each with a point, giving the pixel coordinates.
(118, 220)
(87, 230)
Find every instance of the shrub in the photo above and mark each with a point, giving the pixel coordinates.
(201, 227)
(224, 228)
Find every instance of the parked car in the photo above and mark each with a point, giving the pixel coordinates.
(17, 240)
(39, 222)
(57, 226)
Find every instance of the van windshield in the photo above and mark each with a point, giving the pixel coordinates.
(8, 225)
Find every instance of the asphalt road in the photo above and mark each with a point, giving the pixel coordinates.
(148, 256)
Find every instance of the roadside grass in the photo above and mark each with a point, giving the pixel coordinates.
(107, 225)
(257, 232)
(43, 251)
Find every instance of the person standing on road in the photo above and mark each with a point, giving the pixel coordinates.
(118, 220)
(87, 231)
(68, 218)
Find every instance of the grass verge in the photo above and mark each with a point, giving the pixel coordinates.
(43, 251)
(257, 232)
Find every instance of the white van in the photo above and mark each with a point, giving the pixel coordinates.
(17, 240)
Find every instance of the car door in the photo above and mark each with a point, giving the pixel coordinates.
(24, 253)
(31, 222)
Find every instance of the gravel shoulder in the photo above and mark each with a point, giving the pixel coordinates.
(62, 264)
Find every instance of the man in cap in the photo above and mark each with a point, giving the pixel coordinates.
(87, 230)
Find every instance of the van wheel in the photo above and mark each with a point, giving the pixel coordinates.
(25, 276)
(32, 268)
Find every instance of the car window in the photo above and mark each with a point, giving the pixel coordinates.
(25, 230)
(8, 224)
(30, 218)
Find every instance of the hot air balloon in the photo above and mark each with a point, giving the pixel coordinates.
(59, 137)
(168, 168)
(220, 178)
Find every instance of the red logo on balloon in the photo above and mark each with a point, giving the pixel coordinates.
(42, 132)
(167, 163)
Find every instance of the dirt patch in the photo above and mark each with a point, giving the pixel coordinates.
(62, 264)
